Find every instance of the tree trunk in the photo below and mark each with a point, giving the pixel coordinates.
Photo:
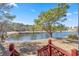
(50, 33)
(2, 38)
(2, 33)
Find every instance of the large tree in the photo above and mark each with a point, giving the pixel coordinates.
(5, 18)
(52, 17)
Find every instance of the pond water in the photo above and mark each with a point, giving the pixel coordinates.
(36, 36)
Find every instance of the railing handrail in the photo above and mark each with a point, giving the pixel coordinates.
(73, 51)
(60, 49)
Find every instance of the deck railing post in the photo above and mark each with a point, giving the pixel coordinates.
(74, 52)
(51, 50)
(38, 52)
(49, 47)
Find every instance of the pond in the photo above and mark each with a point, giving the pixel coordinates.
(36, 36)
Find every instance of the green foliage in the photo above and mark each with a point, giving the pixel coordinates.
(51, 17)
(5, 14)
(20, 27)
(4, 35)
(59, 28)
(73, 37)
(9, 16)
(5, 17)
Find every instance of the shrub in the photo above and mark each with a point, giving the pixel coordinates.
(73, 37)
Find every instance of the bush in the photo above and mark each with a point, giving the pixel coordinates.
(73, 37)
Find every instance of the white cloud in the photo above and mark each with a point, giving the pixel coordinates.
(15, 5)
(5, 12)
(69, 14)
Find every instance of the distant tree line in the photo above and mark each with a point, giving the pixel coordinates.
(22, 27)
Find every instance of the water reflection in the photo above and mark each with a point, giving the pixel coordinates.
(35, 36)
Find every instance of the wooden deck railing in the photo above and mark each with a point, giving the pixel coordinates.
(52, 50)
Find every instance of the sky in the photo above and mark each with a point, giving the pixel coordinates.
(27, 12)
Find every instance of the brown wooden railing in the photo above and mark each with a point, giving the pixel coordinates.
(52, 50)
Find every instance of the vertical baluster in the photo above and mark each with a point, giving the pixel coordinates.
(49, 47)
(38, 52)
(74, 52)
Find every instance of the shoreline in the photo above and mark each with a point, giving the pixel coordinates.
(43, 42)
(21, 32)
